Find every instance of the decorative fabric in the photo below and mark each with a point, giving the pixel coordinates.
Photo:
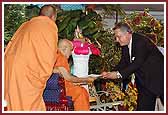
(54, 94)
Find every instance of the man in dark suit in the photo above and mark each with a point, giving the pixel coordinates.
(141, 57)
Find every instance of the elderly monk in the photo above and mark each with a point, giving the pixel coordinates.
(29, 60)
(79, 94)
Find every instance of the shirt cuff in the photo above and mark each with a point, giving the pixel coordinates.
(119, 75)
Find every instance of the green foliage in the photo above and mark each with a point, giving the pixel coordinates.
(67, 21)
(110, 54)
(14, 16)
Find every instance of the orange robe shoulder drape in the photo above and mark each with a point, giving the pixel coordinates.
(29, 61)
(79, 94)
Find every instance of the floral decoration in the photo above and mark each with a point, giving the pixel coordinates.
(145, 23)
(128, 97)
(82, 44)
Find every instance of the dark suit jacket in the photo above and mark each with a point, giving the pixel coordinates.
(148, 64)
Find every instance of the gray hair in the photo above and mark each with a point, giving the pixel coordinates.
(124, 27)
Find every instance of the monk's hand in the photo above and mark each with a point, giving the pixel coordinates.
(56, 70)
(90, 79)
(110, 75)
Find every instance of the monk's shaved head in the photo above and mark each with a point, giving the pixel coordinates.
(48, 10)
(66, 47)
(64, 43)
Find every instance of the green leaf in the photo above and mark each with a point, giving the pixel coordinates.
(83, 24)
(97, 35)
(63, 24)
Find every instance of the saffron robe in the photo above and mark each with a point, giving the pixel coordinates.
(29, 61)
(79, 94)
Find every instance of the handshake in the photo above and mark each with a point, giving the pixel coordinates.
(111, 75)
(108, 75)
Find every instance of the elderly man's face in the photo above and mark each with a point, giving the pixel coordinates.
(123, 38)
(68, 50)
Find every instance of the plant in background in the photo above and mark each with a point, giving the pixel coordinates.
(14, 16)
(128, 97)
(145, 23)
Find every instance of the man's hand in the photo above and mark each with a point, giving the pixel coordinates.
(110, 75)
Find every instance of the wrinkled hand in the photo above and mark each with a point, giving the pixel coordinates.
(91, 79)
(104, 73)
(109, 75)
(56, 70)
